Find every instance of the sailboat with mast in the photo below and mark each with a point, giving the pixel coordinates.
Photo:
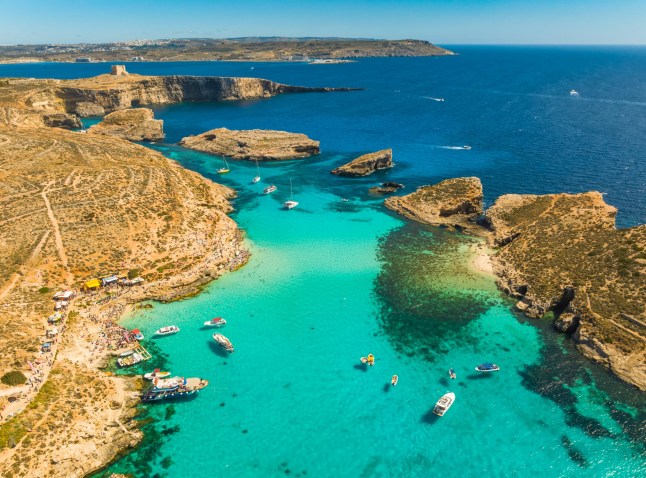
(291, 204)
(225, 169)
(257, 178)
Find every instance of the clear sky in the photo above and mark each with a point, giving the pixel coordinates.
(440, 21)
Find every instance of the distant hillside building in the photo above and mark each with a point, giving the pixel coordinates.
(119, 70)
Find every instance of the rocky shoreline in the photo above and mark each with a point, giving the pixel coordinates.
(562, 258)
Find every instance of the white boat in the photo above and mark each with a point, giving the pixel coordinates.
(133, 359)
(487, 367)
(165, 384)
(225, 169)
(223, 342)
(269, 189)
(444, 403)
(216, 322)
(156, 374)
(169, 330)
(466, 147)
(127, 352)
(291, 204)
(574, 93)
(257, 177)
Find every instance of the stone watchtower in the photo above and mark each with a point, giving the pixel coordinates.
(119, 70)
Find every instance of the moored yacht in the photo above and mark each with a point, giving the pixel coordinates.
(444, 403)
(169, 330)
(223, 342)
(216, 322)
(269, 189)
(487, 367)
(291, 204)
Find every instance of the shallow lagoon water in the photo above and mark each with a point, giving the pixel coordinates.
(333, 280)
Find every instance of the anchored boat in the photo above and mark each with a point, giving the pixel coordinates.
(291, 204)
(156, 374)
(169, 330)
(131, 359)
(370, 360)
(452, 374)
(394, 380)
(444, 403)
(216, 322)
(223, 342)
(269, 189)
(177, 387)
(487, 367)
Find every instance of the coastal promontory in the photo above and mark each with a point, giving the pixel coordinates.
(452, 202)
(256, 144)
(366, 164)
(133, 124)
(562, 258)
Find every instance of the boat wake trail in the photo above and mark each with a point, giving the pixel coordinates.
(433, 98)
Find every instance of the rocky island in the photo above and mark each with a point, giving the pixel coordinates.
(138, 124)
(453, 202)
(366, 164)
(561, 257)
(256, 144)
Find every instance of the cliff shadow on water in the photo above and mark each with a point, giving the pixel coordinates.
(427, 290)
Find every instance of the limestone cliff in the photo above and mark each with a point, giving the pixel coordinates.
(366, 164)
(253, 144)
(454, 202)
(132, 124)
(563, 253)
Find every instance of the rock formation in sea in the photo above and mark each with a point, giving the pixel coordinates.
(452, 202)
(255, 144)
(133, 124)
(366, 164)
(559, 255)
(388, 187)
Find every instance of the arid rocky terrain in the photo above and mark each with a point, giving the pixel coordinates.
(366, 164)
(133, 124)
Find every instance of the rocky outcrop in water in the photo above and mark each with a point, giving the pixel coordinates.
(453, 202)
(256, 144)
(132, 124)
(366, 164)
(388, 187)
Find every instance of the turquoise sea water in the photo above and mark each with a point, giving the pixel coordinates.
(334, 280)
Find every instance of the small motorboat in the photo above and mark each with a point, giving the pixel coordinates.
(466, 147)
(216, 322)
(130, 360)
(136, 333)
(487, 367)
(223, 342)
(156, 374)
(394, 380)
(269, 189)
(444, 403)
(574, 93)
(370, 360)
(127, 353)
(452, 374)
(169, 330)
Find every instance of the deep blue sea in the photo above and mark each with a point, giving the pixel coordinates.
(340, 277)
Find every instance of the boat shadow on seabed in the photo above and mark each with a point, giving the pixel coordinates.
(217, 349)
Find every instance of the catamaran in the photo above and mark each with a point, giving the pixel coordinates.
(257, 177)
(225, 169)
(291, 204)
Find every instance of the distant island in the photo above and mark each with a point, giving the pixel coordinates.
(316, 50)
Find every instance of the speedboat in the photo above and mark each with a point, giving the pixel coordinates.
(269, 189)
(169, 330)
(223, 342)
(136, 333)
(444, 403)
(217, 322)
(156, 374)
(466, 147)
(574, 93)
(394, 380)
(487, 367)
(452, 374)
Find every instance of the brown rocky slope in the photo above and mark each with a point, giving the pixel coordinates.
(253, 144)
